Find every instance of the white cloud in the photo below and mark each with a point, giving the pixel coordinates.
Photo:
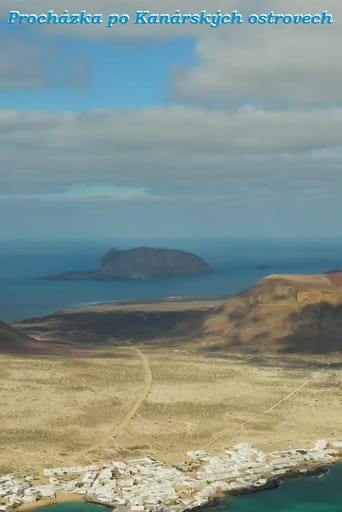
(213, 157)
(28, 64)
(176, 148)
(270, 65)
(291, 71)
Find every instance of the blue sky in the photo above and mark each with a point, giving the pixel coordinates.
(115, 75)
(170, 131)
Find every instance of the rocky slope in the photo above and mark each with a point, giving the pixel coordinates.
(283, 314)
(142, 263)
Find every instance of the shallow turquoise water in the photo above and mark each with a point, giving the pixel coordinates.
(304, 494)
(75, 507)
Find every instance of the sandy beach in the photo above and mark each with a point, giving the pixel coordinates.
(59, 500)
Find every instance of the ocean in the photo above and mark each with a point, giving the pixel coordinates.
(236, 263)
(302, 494)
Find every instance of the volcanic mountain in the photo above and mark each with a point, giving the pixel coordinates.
(281, 313)
(142, 263)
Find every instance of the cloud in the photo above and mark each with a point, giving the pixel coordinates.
(22, 64)
(252, 130)
(271, 65)
(28, 64)
(171, 150)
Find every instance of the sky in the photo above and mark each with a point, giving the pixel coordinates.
(170, 131)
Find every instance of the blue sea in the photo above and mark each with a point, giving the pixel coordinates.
(302, 494)
(23, 264)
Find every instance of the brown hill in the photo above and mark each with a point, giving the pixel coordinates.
(284, 314)
(293, 313)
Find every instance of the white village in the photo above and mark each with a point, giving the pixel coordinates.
(146, 485)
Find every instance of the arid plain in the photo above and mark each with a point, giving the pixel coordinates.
(143, 400)
(123, 381)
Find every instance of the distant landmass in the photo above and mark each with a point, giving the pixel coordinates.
(141, 263)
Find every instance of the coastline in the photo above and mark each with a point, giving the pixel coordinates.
(198, 300)
(272, 483)
(306, 470)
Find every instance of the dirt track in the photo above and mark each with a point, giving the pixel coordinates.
(136, 406)
(132, 411)
(244, 430)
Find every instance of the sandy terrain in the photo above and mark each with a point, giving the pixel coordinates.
(58, 500)
(145, 400)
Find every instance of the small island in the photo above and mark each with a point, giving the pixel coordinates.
(264, 267)
(141, 263)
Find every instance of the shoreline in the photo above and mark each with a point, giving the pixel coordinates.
(125, 303)
(60, 499)
(272, 483)
(303, 470)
